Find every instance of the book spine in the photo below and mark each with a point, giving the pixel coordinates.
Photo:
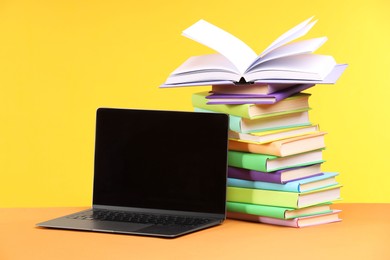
(324, 218)
(317, 182)
(273, 148)
(264, 219)
(263, 197)
(234, 121)
(262, 98)
(251, 175)
(240, 124)
(290, 187)
(199, 100)
(280, 95)
(250, 161)
(262, 210)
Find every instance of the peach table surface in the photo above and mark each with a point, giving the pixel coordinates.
(364, 233)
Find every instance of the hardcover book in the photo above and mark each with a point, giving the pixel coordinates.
(299, 222)
(273, 135)
(279, 176)
(291, 104)
(284, 147)
(287, 199)
(270, 163)
(260, 88)
(236, 99)
(308, 184)
(277, 212)
(268, 122)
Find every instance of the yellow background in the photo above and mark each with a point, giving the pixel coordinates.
(60, 60)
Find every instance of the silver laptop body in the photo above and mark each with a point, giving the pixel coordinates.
(156, 172)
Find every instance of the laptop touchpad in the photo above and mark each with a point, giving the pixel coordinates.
(112, 226)
(165, 229)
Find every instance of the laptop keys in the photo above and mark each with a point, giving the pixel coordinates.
(141, 218)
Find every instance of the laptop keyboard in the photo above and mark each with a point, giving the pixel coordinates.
(141, 218)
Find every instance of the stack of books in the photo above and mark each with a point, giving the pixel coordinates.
(275, 157)
(275, 151)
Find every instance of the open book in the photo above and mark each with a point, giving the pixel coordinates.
(284, 61)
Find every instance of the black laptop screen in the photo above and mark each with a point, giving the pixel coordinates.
(161, 160)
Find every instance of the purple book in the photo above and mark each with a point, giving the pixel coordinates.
(256, 98)
(281, 176)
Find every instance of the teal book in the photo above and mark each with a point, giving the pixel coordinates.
(269, 163)
(278, 212)
(265, 123)
(308, 184)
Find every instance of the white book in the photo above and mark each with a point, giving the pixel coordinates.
(284, 61)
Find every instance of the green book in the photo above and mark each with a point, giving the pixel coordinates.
(270, 163)
(277, 212)
(292, 104)
(282, 198)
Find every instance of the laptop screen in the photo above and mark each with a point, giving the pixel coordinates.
(167, 160)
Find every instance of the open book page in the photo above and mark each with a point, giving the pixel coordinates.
(302, 62)
(284, 61)
(331, 78)
(292, 34)
(308, 66)
(209, 67)
(202, 63)
(295, 48)
(240, 54)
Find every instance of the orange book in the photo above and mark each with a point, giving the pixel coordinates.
(284, 147)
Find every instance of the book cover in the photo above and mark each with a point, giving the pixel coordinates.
(249, 88)
(285, 59)
(273, 135)
(284, 147)
(299, 222)
(266, 122)
(279, 176)
(236, 99)
(283, 198)
(270, 163)
(308, 184)
(295, 103)
(278, 212)
(282, 121)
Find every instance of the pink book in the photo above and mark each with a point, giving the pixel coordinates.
(296, 222)
(219, 98)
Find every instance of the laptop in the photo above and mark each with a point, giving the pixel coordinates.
(156, 173)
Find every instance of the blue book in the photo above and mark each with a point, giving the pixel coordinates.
(309, 184)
